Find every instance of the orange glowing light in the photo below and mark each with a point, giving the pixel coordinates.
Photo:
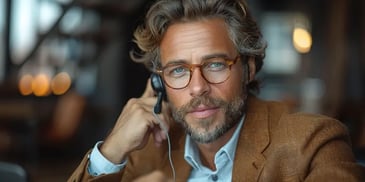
(61, 83)
(25, 84)
(41, 85)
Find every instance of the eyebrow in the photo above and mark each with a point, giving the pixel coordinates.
(204, 58)
(216, 55)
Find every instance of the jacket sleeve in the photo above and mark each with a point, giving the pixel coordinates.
(81, 173)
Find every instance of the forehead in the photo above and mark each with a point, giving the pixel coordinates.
(191, 41)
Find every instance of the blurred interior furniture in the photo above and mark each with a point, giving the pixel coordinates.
(18, 128)
(27, 124)
(66, 118)
(12, 172)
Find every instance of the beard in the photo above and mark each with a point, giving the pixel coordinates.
(204, 133)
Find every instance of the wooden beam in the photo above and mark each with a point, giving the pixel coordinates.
(334, 69)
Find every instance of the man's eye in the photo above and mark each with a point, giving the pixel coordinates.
(177, 71)
(215, 66)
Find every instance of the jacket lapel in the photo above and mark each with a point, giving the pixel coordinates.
(254, 138)
(182, 168)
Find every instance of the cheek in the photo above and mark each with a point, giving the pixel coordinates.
(230, 90)
(233, 87)
(176, 98)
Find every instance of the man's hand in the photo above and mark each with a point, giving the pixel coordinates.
(134, 126)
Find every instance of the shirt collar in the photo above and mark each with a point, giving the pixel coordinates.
(191, 154)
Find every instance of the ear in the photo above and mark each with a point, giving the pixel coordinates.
(252, 68)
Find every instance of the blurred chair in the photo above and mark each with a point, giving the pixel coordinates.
(12, 172)
(66, 118)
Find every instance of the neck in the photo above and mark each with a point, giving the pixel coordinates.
(207, 151)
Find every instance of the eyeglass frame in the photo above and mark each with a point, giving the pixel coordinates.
(192, 67)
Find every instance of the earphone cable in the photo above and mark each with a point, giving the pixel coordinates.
(162, 125)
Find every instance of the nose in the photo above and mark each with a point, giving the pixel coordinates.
(198, 86)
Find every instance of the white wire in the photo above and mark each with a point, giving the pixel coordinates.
(162, 125)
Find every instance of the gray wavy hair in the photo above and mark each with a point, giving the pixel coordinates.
(243, 30)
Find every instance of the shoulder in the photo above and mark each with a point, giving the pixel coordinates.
(287, 130)
(307, 127)
(296, 125)
(313, 123)
(302, 141)
(300, 133)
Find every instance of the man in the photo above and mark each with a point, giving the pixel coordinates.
(207, 53)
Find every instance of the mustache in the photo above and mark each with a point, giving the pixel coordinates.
(204, 100)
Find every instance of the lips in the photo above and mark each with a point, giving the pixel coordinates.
(203, 111)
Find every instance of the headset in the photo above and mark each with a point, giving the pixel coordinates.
(159, 88)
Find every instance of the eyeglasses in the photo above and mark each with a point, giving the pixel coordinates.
(214, 70)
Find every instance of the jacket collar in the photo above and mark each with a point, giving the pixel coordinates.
(254, 139)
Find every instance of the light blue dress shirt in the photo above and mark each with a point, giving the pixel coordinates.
(223, 160)
(99, 165)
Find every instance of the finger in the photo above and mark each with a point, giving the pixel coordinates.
(157, 136)
(167, 113)
(163, 134)
(148, 92)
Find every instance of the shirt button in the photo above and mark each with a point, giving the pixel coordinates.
(215, 177)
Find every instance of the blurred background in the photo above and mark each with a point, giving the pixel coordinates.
(65, 71)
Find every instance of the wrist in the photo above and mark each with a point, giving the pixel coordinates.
(114, 155)
(99, 165)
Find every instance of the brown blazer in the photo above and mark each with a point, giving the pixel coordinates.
(273, 146)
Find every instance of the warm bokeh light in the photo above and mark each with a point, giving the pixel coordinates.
(41, 85)
(302, 40)
(61, 83)
(25, 84)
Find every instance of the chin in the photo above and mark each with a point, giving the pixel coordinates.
(206, 132)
